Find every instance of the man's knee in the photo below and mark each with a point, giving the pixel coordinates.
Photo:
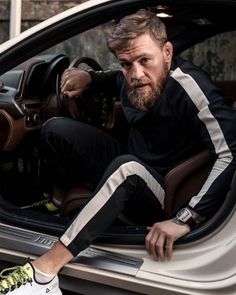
(53, 125)
(126, 163)
(60, 129)
(129, 165)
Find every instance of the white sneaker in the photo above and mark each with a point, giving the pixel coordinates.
(20, 280)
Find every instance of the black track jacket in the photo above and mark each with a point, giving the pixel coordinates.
(191, 115)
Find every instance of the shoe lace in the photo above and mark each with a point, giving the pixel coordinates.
(40, 203)
(46, 199)
(10, 281)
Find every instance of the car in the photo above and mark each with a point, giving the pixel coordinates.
(31, 65)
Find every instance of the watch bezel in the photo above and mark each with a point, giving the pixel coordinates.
(184, 215)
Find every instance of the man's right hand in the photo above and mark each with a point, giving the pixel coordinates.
(161, 237)
(74, 81)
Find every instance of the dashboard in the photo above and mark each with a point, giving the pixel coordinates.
(28, 97)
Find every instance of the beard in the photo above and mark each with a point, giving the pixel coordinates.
(144, 99)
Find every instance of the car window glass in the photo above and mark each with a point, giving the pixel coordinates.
(216, 56)
(91, 43)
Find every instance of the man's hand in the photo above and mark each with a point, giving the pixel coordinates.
(74, 81)
(161, 237)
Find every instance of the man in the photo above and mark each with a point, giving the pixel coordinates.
(173, 111)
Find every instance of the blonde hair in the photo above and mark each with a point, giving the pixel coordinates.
(134, 25)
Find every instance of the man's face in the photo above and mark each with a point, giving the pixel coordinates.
(145, 66)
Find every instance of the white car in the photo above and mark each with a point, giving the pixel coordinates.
(204, 261)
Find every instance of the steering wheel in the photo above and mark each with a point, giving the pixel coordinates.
(92, 106)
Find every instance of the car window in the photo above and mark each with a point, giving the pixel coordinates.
(91, 43)
(216, 56)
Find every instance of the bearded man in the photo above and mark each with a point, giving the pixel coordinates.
(173, 111)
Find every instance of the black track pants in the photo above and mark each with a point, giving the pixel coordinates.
(77, 152)
(126, 183)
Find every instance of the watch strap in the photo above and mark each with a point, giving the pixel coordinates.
(189, 217)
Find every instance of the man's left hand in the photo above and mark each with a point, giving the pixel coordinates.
(161, 237)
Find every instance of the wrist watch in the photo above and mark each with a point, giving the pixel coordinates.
(187, 216)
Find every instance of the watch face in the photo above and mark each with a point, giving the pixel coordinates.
(184, 215)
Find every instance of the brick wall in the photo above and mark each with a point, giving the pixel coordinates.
(4, 20)
(33, 11)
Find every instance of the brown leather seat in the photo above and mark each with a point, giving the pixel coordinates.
(75, 199)
(185, 180)
(181, 183)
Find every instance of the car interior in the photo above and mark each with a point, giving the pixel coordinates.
(30, 95)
